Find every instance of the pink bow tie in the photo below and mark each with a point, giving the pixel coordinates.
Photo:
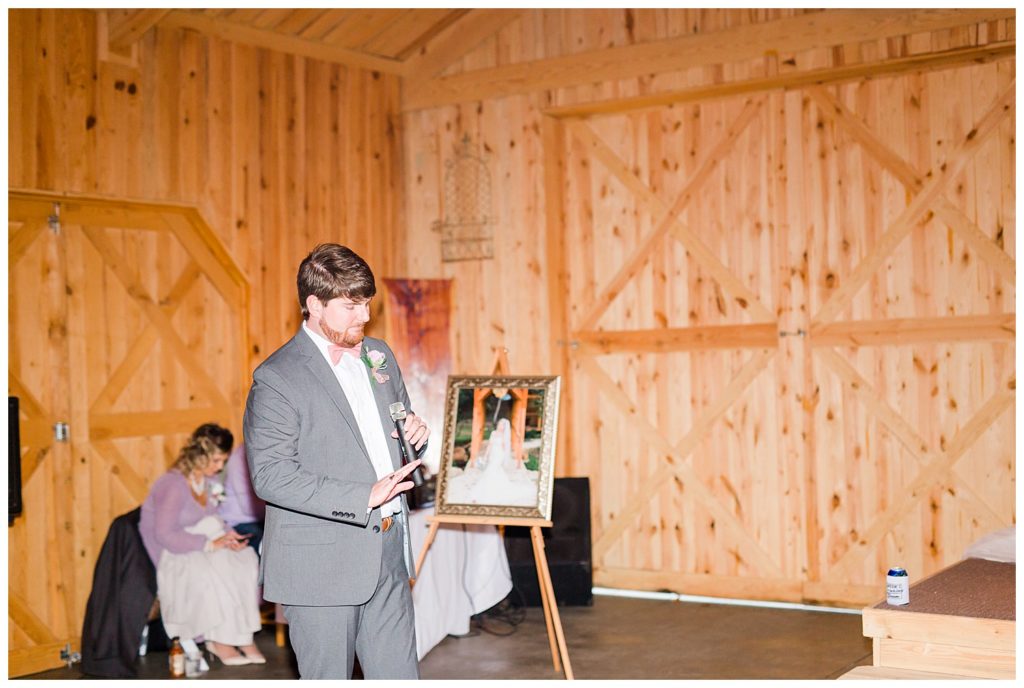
(336, 351)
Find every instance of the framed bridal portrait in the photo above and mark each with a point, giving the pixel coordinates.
(498, 451)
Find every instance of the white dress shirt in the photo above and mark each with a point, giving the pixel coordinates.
(354, 379)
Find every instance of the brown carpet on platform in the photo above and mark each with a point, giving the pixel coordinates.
(973, 587)
(616, 638)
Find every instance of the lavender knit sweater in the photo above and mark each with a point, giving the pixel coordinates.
(167, 511)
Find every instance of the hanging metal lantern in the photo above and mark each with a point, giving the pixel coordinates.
(467, 231)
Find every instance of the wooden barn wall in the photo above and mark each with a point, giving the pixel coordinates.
(276, 152)
(730, 452)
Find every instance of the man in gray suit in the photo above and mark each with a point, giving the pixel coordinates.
(336, 548)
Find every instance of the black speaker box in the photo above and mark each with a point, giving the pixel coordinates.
(567, 546)
(14, 504)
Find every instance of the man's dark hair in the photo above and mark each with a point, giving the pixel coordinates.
(332, 270)
(220, 437)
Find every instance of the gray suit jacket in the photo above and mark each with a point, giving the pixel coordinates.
(308, 461)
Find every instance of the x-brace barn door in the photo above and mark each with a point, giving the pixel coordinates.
(128, 327)
(789, 331)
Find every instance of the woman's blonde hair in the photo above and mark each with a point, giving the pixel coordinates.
(206, 441)
(195, 454)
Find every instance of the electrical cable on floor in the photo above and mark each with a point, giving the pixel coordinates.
(504, 612)
(462, 579)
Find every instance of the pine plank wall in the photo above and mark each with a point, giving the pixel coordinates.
(776, 274)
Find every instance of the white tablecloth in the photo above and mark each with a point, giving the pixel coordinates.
(465, 572)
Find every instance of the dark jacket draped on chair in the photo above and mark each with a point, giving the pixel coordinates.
(123, 590)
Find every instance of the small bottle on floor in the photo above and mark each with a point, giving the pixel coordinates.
(177, 659)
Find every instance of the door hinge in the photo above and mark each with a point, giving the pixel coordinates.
(69, 657)
(54, 219)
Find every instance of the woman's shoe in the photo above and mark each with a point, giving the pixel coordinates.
(228, 660)
(253, 654)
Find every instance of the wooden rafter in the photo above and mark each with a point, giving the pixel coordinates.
(751, 41)
(896, 66)
(918, 206)
(315, 30)
(407, 34)
(263, 38)
(455, 41)
(666, 219)
(676, 462)
(360, 25)
(125, 27)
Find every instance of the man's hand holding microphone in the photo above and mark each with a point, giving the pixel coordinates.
(411, 433)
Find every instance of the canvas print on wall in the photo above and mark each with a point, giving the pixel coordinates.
(498, 446)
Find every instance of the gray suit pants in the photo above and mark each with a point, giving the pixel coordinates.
(381, 632)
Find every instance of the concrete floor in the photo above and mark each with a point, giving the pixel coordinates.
(616, 638)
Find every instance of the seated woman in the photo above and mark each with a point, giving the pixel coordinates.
(206, 573)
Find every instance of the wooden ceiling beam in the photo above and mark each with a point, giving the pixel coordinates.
(360, 25)
(457, 40)
(324, 24)
(243, 16)
(791, 34)
(261, 38)
(927, 62)
(451, 17)
(125, 27)
(298, 20)
(406, 30)
(271, 17)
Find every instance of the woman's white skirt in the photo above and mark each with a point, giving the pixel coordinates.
(210, 594)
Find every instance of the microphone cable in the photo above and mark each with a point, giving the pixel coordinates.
(504, 612)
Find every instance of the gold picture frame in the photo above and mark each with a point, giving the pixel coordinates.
(498, 452)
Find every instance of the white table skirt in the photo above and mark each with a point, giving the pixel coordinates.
(465, 572)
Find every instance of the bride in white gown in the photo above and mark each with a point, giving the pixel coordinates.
(499, 482)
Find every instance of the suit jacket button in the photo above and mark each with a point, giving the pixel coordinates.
(376, 529)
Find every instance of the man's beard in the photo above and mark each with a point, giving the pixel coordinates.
(349, 338)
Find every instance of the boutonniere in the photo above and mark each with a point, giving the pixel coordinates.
(217, 492)
(376, 362)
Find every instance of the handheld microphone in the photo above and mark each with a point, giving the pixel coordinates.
(397, 411)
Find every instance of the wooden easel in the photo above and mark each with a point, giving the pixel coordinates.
(556, 638)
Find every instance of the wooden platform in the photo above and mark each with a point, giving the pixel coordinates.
(960, 623)
(877, 673)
